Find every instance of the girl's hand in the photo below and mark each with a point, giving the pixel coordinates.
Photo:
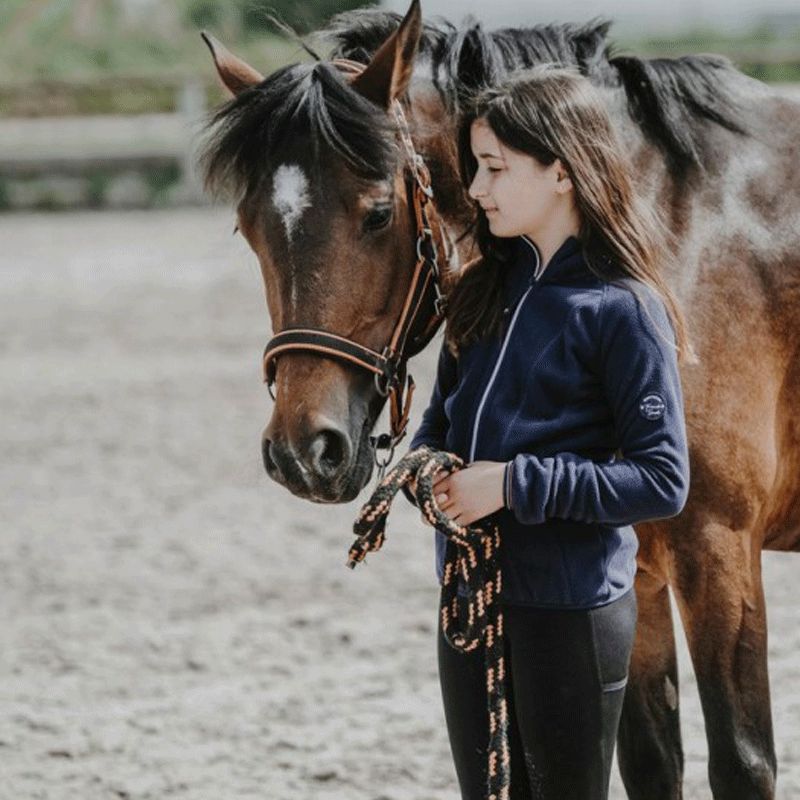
(413, 487)
(471, 493)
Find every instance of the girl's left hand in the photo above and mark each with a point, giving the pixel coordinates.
(471, 493)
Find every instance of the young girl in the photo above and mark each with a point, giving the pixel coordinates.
(558, 384)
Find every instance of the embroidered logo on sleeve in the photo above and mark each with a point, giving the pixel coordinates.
(652, 406)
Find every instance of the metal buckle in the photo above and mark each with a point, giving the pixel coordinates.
(426, 235)
(388, 378)
(382, 386)
(383, 441)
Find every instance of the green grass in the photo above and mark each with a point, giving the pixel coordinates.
(762, 53)
(39, 41)
(47, 67)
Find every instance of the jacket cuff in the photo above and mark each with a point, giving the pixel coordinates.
(527, 488)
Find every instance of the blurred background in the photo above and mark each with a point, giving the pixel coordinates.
(174, 624)
(97, 96)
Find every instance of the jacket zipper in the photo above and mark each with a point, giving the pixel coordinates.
(499, 361)
(536, 273)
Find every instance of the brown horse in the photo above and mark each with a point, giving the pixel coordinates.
(312, 160)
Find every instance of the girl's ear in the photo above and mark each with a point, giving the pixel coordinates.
(563, 180)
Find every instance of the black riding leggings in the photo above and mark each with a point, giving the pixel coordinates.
(566, 672)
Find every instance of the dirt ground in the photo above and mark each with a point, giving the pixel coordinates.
(173, 624)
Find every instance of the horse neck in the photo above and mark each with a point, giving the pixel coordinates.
(434, 136)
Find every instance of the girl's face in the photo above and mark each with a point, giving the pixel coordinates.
(518, 194)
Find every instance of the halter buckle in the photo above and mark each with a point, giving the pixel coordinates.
(383, 384)
(426, 235)
(386, 380)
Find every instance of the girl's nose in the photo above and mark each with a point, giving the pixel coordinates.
(475, 189)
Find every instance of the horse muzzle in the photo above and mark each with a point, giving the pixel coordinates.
(325, 463)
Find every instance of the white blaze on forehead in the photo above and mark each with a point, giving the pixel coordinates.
(290, 195)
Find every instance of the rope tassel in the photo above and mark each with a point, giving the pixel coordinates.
(471, 553)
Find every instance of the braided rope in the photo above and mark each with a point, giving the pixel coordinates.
(472, 554)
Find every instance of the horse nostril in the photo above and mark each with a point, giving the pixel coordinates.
(328, 451)
(269, 462)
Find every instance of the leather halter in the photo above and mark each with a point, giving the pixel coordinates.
(422, 313)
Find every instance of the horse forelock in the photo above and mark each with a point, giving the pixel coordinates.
(312, 104)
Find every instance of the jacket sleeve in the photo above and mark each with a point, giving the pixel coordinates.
(642, 385)
(433, 428)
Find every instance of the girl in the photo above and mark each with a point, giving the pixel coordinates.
(558, 384)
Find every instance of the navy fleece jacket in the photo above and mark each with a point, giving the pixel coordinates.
(580, 371)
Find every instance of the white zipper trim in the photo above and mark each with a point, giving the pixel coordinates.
(539, 270)
(499, 361)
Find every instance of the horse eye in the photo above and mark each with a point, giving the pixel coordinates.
(378, 218)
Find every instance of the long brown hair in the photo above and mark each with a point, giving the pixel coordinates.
(551, 112)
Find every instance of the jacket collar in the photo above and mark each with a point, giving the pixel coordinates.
(566, 264)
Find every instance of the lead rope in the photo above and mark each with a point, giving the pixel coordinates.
(472, 553)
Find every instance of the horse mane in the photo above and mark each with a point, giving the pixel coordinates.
(665, 96)
(464, 59)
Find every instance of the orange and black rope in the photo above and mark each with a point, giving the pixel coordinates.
(472, 554)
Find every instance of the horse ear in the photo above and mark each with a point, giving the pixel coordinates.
(389, 72)
(235, 74)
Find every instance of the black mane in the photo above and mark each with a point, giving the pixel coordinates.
(665, 96)
(468, 58)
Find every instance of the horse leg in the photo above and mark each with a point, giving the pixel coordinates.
(720, 595)
(649, 751)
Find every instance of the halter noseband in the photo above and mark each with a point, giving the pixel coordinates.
(412, 330)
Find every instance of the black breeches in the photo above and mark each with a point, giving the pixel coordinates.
(566, 672)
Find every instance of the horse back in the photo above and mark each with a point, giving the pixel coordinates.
(738, 278)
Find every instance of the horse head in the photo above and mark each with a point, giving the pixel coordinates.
(319, 165)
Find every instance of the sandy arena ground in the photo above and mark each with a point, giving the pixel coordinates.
(173, 624)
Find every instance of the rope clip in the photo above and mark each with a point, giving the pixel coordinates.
(384, 441)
